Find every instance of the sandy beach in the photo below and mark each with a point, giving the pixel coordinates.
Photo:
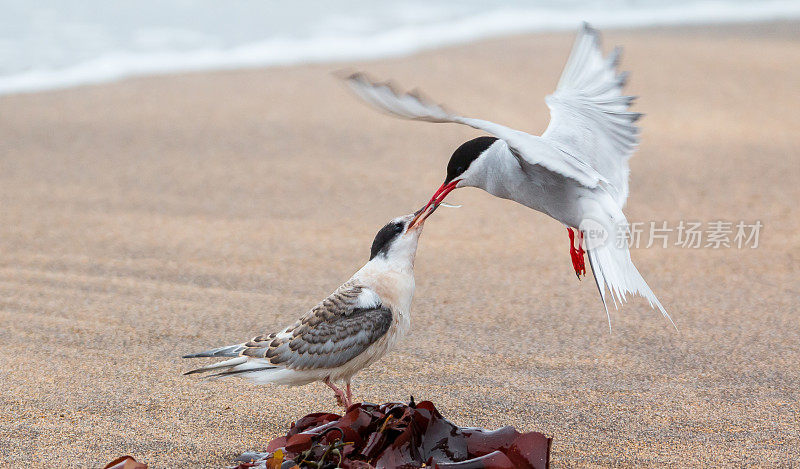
(153, 217)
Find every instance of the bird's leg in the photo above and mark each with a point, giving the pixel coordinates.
(349, 394)
(341, 398)
(577, 252)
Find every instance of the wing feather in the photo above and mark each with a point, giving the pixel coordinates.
(529, 150)
(589, 116)
(591, 134)
(338, 329)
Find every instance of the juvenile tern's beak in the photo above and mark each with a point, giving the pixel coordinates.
(420, 216)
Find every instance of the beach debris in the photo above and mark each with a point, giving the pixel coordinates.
(397, 435)
(125, 462)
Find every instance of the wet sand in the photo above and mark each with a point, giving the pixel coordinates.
(149, 218)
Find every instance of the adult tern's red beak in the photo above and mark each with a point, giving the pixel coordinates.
(433, 204)
(420, 216)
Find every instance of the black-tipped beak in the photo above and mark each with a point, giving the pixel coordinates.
(421, 214)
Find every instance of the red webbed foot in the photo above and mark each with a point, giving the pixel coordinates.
(576, 252)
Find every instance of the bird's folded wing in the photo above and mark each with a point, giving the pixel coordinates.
(529, 150)
(589, 116)
(334, 332)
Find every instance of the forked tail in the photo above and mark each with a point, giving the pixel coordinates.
(613, 269)
(605, 235)
(236, 363)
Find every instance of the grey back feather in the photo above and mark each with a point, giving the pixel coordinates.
(334, 332)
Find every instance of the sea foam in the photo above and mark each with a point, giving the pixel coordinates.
(361, 40)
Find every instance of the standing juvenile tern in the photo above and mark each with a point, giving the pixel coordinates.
(347, 331)
(576, 172)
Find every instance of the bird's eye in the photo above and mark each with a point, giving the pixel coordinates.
(398, 228)
(460, 170)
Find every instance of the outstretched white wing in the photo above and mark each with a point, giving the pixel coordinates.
(529, 150)
(589, 117)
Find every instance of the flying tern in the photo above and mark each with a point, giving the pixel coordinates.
(347, 331)
(576, 171)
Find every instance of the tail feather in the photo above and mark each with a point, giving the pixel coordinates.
(600, 280)
(227, 351)
(244, 368)
(219, 365)
(613, 268)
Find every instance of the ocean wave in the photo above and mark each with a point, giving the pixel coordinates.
(396, 41)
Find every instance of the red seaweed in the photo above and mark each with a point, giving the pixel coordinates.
(396, 435)
(125, 462)
(393, 435)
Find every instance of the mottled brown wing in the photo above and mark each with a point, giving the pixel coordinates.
(334, 332)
